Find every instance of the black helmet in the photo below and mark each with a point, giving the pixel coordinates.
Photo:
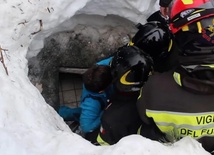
(153, 38)
(130, 68)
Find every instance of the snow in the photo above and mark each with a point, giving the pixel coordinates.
(28, 125)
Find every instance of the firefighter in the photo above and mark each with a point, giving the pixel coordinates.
(130, 69)
(179, 102)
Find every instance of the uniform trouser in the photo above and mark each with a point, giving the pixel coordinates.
(118, 121)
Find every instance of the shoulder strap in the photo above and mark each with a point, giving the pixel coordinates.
(102, 103)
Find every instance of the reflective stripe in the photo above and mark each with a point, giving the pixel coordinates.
(124, 81)
(184, 124)
(199, 27)
(170, 45)
(141, 91)
(138, 131)
(177, 78)
(181, 118)
(101, 141)
(187, 1)
(198, 11)
(130, 43)
(211, 66)
(185, 28)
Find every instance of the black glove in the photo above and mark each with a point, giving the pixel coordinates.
(152, 132)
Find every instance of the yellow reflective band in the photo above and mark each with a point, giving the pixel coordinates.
(198, 11)
(123, 79)
(199, 27)
(185, 28)
(101, 141)
(180, 118)
(139, 129)
(184, 124)
(187, 1)
(176, 19)
(170, 45)
(130, 43)
(211, 66)
(141, 91)
(177, 78)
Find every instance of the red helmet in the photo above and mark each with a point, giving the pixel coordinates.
(185, 12)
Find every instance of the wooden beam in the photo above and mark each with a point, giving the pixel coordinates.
(72, 70)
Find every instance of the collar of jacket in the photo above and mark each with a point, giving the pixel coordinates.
(196, 59)
(198, 79)
(125, 96)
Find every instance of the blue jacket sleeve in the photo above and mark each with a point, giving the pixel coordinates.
(90, 117)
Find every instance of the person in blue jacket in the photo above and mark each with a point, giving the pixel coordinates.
(95, 95)
(96, 92)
